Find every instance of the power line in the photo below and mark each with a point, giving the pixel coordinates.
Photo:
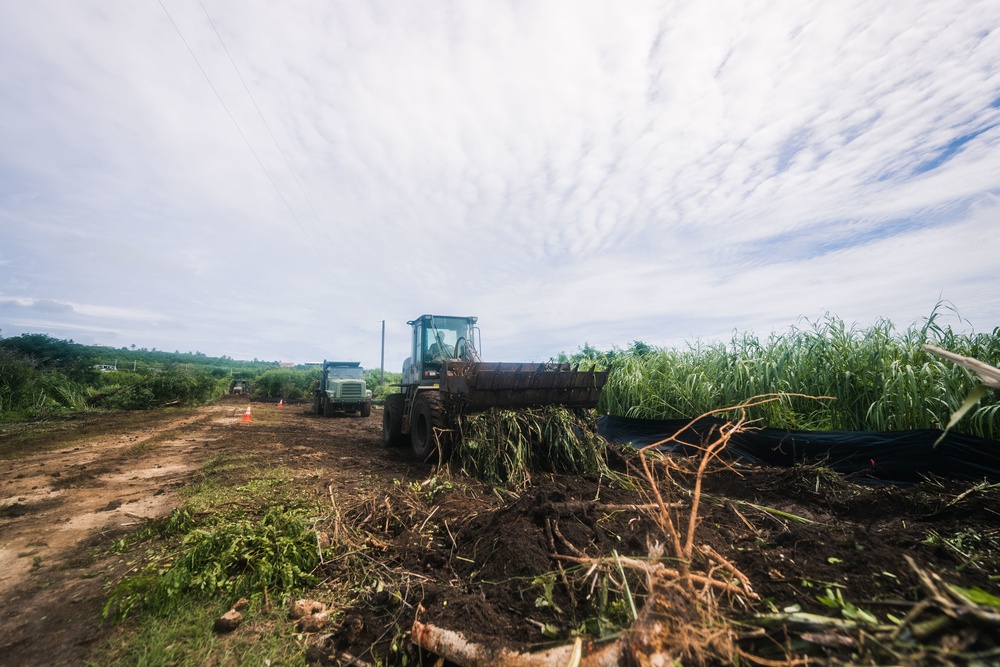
(269, 132)
(295, 217)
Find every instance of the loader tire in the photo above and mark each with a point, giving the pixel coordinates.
(428, 414)
(392, 421)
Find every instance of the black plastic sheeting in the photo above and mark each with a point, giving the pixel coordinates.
(898, 457)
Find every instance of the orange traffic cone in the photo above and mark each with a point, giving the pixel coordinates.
(246, 415)
(281, 402)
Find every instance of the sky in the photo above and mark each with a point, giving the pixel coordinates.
(275, 180)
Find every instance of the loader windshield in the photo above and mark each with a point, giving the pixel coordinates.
(441, 336)
(352, 372)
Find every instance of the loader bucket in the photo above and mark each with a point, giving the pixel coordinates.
(482, 385)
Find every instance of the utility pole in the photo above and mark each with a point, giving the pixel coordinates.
(381, 372)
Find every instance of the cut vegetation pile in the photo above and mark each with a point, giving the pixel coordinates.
(683, 559)
(233, 557)
(506, 447)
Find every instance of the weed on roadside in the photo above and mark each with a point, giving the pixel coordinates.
(185, 637)
(242, 532)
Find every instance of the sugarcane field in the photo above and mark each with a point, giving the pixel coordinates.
(258, 532)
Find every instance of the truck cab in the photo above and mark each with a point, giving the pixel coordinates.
(435, 339)
(342, 388)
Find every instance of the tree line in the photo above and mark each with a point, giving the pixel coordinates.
(42, 376)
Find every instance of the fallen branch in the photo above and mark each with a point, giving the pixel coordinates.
(656, 570)
(455, 647)
(743, 579)
(573, 507)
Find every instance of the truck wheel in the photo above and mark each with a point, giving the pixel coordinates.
(366, 409)
(427, 415)
(392, 421)
(328, 409)
(317, 407)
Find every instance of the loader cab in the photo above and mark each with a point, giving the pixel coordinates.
(435, 339)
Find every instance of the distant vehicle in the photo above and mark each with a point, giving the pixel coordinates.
(107, 368)
(239, 387)
(342, 388)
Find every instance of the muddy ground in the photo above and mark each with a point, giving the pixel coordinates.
(462, 556)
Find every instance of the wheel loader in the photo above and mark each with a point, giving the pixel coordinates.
(444, 378)
(239, 387)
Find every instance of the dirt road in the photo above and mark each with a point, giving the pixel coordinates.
(67, 486)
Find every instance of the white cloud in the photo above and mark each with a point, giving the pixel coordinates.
(568, 171)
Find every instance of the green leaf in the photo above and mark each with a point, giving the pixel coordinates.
(970, 401)
(977, 595)
(550, 631)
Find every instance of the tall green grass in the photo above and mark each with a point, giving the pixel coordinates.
(880, 378)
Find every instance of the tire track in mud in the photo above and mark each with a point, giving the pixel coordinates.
(53, 505)
(54, 501)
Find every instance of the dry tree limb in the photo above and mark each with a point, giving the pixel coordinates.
(336, 514)
(573, 507)
(346, 658)
(562, 538)
(562, 572)
(975, 489)
(456, 648)
(935, 593)
(436, 508)
(732, 569)
(454, 544)
(949, 600)
(753, 528)
(765, 662)
(550, 535)
(709, 454)
(319, 545)
(666, 521)
(657, 570)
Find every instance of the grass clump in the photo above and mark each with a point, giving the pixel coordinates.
(254, 540)
(506, 446)
(251, 557)
(185, 637)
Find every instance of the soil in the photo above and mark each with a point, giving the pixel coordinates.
(457, 554)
